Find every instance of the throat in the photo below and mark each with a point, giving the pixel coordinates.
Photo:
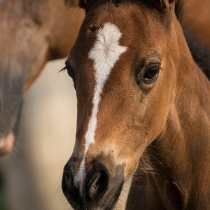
(168, 194)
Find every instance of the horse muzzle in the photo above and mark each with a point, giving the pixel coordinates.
(94, 189)
(6, 144)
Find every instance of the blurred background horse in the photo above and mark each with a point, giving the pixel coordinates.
(31, 33)
(47, 125)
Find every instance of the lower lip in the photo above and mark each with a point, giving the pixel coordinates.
(6, 144)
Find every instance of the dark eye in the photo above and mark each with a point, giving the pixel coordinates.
(70, 72)
(69, 69)
(151, 73)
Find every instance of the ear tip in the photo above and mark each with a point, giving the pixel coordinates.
(162, 4)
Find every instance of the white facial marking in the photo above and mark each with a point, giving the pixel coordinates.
(78, 180)
(105, 53)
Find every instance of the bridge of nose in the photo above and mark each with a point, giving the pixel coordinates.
(105, 53)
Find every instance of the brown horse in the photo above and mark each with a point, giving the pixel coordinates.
(31, 33)
(143, 110)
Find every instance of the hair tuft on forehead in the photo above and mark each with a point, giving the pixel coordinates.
(158, 4)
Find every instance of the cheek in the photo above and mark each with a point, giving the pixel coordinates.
(157, 108)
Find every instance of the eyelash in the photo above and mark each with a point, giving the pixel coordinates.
(69, 70)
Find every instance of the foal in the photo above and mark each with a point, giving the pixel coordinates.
(140, 97)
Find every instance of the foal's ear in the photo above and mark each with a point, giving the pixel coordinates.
(161, 4)
(77, 3)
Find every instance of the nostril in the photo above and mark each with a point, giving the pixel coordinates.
(94, 188)
(97, 184)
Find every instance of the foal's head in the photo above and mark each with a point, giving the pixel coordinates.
(123, 72)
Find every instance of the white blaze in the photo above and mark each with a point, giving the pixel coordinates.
(105, 53)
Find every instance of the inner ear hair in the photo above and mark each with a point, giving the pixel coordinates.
(161, 4)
